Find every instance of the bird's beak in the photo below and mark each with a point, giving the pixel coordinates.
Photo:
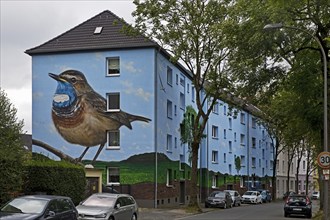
(56, 77)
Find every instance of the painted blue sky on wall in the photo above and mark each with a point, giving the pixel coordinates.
(135, 85)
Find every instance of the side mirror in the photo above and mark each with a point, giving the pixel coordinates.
(117, 206)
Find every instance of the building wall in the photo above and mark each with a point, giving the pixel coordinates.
(151, 155)
(135, 85)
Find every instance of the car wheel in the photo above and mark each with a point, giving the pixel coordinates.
(309, 215)
(134, 217)
(111, 218)
(206, 205)
(286, 214)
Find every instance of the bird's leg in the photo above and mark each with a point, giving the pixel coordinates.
(98, 152)
(83, 154)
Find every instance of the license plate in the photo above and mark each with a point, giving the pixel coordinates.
(297, 209)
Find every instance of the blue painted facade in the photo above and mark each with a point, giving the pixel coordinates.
(151, 86)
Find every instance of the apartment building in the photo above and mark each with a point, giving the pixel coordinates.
(96, 78)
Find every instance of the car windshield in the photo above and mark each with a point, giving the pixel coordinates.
(218, 194)
(100, 201)
(25, 205)
(315, 193)
(248, 193)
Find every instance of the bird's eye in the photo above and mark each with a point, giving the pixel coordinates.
(73, 80)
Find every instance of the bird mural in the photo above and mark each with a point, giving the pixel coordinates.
(80, 114)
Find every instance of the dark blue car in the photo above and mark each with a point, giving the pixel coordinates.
(39, 207)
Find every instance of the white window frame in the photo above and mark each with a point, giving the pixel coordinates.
(215, 181)
(113, 66)
(116, 107)
(169, 74)
(215, 158)
(215, 132)
(116, 171)
(169, 178)
(113, 144)
(169, 109)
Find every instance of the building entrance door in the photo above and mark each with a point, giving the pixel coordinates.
(182, 192)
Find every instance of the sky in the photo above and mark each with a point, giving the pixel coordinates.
(26, 24)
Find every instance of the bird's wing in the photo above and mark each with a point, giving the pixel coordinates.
(100, 104)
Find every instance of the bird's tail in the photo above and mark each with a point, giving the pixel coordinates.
(138, 118)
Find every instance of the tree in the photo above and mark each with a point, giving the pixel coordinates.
(238, 164)
(268, 65)
(11, 149)
(191, 31)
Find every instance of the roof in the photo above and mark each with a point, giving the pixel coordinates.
(85, 36)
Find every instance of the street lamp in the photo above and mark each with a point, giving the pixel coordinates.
(325, 104)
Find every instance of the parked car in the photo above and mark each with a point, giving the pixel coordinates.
(39, 207)
(252, 197)
(298, 205)
(316, 195)
(266, 196)
(288, 193)
(108, 206)
(219, 199)
(235, 196)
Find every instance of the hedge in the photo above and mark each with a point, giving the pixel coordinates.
(55, 178)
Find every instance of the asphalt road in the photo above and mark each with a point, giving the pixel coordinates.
(266, 211)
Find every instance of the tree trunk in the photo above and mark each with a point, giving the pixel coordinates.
(194, 204)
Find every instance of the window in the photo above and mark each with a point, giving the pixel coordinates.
(169, 178)
(253, 162)
(242, 118)
(242, 139)
(254, 144)
(241, 181)
(224, 134)
(235, 138)
(215, 181)
(113, 102)
(230, 146)
(215, 132)
(254, 122)
(175, 142)
(259, 162)
(113, 66)
(263, 153)
(192, 93)
(214, 156)
(215, 109)
(113, 139)
(230, 169)
(113, 176)
(169, 143)
(182, 103)
(230, 122)
(169, 76)
(304, 165)
(182, 81)
(224, 157)
(225, 110)
(175, 110)
(242, 160)
(177, 79)
(187, 88)
(169, 109)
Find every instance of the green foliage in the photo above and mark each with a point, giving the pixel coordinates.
(11, 150)
(55, 178)
(238, 164)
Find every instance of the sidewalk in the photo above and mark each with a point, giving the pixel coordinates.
(166, 213)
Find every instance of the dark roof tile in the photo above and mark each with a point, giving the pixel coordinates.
(82, 37)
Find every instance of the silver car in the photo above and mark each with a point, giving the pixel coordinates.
(108, 206)
(236, 197)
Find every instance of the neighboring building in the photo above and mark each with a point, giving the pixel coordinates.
(143, 153)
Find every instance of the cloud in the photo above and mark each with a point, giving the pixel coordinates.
(139, 92)
(129, 66)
